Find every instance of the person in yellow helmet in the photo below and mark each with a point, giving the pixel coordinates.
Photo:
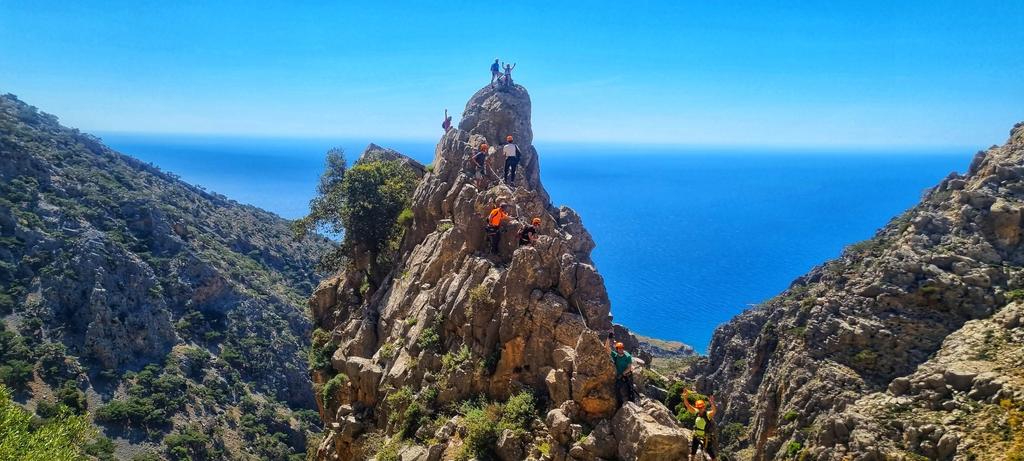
(703, 424)
(512, 152)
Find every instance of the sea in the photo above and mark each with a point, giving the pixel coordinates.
(687, 237)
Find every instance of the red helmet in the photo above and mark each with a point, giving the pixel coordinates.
(483, 147)
(700, 404)
(508, 138)
(620, 346)
(536, 221)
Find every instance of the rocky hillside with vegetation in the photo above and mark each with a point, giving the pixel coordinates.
(172, 317)
(908, 346)
(442, 350)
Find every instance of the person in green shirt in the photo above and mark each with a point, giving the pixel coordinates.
(623, 374)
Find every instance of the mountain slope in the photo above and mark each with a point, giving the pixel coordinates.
(919, 321)
(109, 265)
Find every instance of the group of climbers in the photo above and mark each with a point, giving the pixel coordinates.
(498, 217)
(497, 76)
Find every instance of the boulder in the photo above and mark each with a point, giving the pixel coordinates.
(642, 438)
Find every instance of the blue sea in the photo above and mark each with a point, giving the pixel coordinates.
(686, 237)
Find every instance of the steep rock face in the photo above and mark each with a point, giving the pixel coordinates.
(456, 319)
(888, 312)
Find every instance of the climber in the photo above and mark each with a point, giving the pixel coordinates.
(479, 160)
(447, 123)
(508, 74)
(494, 222)
(495, 71)
(529, 233)
(703, 424)
(512, 153)
(623, 374)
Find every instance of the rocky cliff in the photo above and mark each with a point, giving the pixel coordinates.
(456, 349)
(908, 346)
(152, 304)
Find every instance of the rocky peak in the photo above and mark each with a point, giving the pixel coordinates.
(453, 321)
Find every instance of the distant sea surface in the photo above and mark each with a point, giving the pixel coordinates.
(686, 237)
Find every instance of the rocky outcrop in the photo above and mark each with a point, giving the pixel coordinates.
(454, 321)
(849, 360)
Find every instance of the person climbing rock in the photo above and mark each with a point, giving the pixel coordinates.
(495, 71)
(703, 424)
(494, 221)
(479, 161)
(508, 74)
(529, 233)
(623, 374)
(447, 123)
(512, 153)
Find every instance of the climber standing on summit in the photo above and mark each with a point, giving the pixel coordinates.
(494, 221)
(495, 71)
(512, 152)
(703, 424)
(508, 74)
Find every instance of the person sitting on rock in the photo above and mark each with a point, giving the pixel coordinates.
(623, 374)
(512, 152)
(508, 74)
(494, 221)
(447, 123)
(703, 424)
(495, 71)
(529, 233)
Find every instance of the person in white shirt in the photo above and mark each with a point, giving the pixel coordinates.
(511, 151)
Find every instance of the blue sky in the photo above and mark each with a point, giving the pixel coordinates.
(893, 73)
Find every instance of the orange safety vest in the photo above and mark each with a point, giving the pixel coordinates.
(497, 215)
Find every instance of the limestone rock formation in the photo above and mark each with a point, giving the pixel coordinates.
(903, 346)
(452, 321)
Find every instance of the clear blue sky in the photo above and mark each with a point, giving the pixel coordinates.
(891, 73)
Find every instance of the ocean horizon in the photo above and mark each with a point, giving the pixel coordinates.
(687, 237)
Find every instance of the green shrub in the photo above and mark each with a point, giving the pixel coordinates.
(479, 296)
(1014, 295)
(865, 358)
(429, 339)
(793, 449)
(332, 386)
(518, 412)
(320, 351)
(388, 350)
(790, 416)
(733, 433)
(451, 361)
(58, 439)
(16, 374)
(481, 432)
(189, 444)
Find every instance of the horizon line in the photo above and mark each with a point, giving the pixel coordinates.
(905, 148)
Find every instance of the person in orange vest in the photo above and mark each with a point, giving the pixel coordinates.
(494, 221)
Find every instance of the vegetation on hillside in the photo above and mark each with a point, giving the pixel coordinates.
(108, 264)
